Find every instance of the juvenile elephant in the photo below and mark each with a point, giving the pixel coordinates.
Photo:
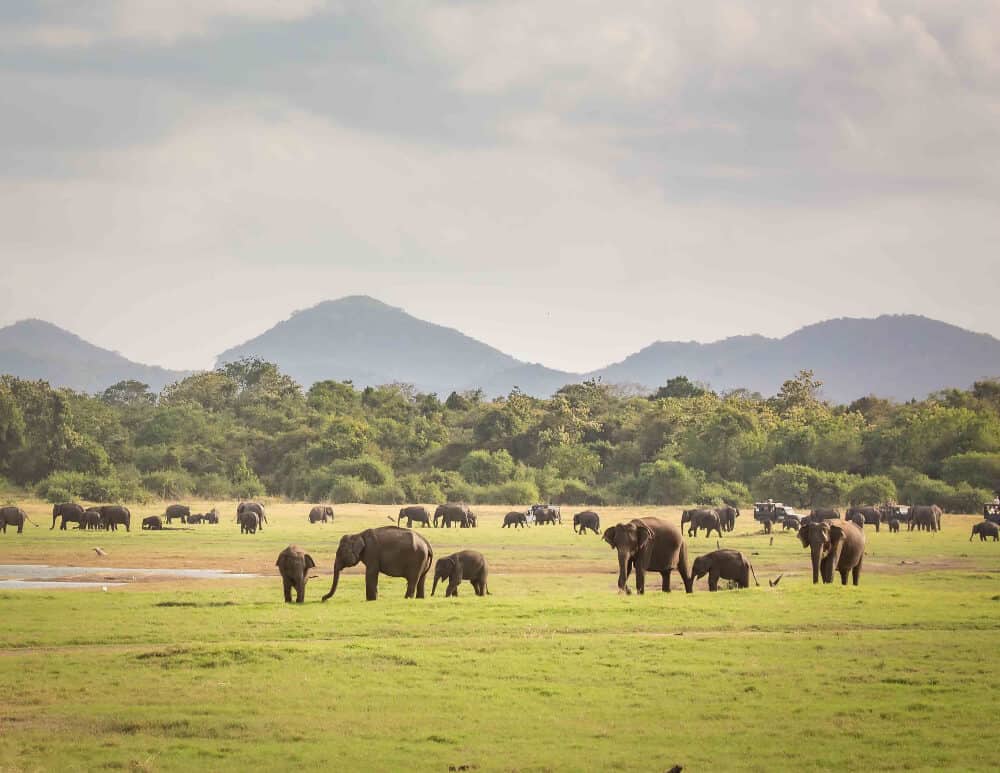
(986, 529)
(294, 564)
(320, 513)
(113, 516)
(152, 523)
(727, 516)
(68, 511)
(648, 544)
(196, 518)
(414, 513)
(836, 545)
(177, 511)
(13, 516)
(790, 522)
(855, 517)
(725, 564)
(253, 507)
(871, 515)
(893, 524)
(389, 550)
(702, 519)
(212, 516)
(464, 565)
(91, 520)
(588, 519)
(515, 519)
(248, 522)
(925, 518)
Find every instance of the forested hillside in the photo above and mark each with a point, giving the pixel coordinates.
(246, 429)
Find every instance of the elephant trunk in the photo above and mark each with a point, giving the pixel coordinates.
(54, 517)
(817, 556)
(973, 534)
(337, 566)
(435, 585)
(622, 569)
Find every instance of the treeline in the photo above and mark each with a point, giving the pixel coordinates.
(246, 430)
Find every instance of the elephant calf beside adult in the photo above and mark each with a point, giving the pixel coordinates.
(870, 515)
(252, 507)
(321, 514)
(588, 519)
(70, 512)
(294, 564)
(91, 520)
(648, 544)
(985, 529)
(248, 522)
(834, 545)
(727, 516)
(113, 516)
(729, 565)
(389, 550)
(464, 565)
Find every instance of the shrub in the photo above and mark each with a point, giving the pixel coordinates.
(964, 498)
(367, 468)
(386, 494)
(515, 492)
(573, 492)
(213, 486)
(347, 489)
(975, 468)
(668, 483)
(169, 484)
(872, 490)
(483, 468)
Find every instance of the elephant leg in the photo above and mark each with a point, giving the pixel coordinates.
(287, 585)
(421, 580)
(666, 581)
(411, 588)
(371, 583)
(856, 571)
(300, 589)
(640, 579)
(713, 579)
(843, 575)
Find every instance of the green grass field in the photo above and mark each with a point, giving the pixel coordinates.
(554, 671)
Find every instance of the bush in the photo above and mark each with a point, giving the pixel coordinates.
(964, 498)
(460, 491)
(347, 489)
(367, 468)
(872, 490)
(386, 494)
(976, 469)
(213, 486)
(169, 484)
(804, 486)
(483, 468)
(574, 492)
(668, 483)
(515, 492)
(246, 484)
(716, 494)
(119, 486)
(418, 490)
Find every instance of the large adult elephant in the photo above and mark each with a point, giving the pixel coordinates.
(294, 564)
(515, 519)
(727, 516)
(321, 513)
(648, 544)
(546, 514)
(182, 512)
(13, 516)
(701, 519)
(824, 514)
(985, 529)
(68, 511)
(836, 545)
(726, 565)
(253, 507)
(588, 519)
(389, 550)
(452, 513)
(871, 515)
(413, 513)
(113, 516)
(925, 518)
(464, 565)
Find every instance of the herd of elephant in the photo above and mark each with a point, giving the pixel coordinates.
(917, 517)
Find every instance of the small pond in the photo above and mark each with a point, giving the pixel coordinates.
(21, 576)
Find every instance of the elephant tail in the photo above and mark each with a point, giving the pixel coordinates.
(752, 572)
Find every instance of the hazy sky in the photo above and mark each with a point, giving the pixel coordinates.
(567, 181)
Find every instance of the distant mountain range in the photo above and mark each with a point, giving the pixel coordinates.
(368, 342)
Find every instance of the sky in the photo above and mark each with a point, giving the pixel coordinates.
(565, 180)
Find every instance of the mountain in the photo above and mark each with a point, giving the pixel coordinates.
(34, 349)
(896, 356)
(369, 342)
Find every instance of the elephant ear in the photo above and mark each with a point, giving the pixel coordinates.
(309, 561)
(644, 534)
(835, 534)
(609, 535)
(804, 535)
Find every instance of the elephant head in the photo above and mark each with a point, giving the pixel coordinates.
(685, 517)
(443, 569)
(349, 553)
(818, 537)
(629, 539)
(700, 567)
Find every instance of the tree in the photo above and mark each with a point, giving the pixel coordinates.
(873, 490)
(679, 386)
(799, 392)
(484, 468)
(128, 392)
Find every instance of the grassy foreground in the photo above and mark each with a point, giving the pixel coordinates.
(554, 671)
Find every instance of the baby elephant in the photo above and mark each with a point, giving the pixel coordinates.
(986, 529)
(727, 564)
(153, 523)
(464, 565)
(294, 565)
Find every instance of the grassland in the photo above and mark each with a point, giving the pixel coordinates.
(554, 671)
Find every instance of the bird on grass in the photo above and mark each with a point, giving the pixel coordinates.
(774, 583)
(99, 552)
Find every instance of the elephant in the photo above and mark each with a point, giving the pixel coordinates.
(702, 519)
(177, 511)
(152, 523)
(855, 517)
(473, 521)
(727, 516)
(452, 513)
(254, 507)
(69, 511)
(91, 519)
(294, 564)
(322, 513)
(13, 516)
(389, 550)
(871, 515)
(893, 524)
(546, 514)
(464, 565)
(836, 545)
(986, 529)
(195, 518)
(790, 522)
(767, 523)
(725, 564)
(824, 514)
(925, 518)
(515, 519)
(648, 544)
(248, 522)
(212, 516)
(113, 516)
(588, 519)
(414, 513)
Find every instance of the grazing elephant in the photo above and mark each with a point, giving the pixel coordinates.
(152, 523)
(452, 513)
(871, 515)
(702, 519)
(195, 518)
(294, 564)
(68, 511)
(91, 520)
(464, 565)
(925, 518)
(13, 516)
(546, 514)
(648, 544)
(588, 519)
(253, 507)
(177, 511)
(726, 564)
(320, 513)
(824, 514)
(727, 516)
(790, 522)
(893, 524)
(113, 516)
(212, 516)
(986, 529)
(515, 519)
(389, 550)
(249, 522)
(858, 519)
(414, 513)
(836, 545)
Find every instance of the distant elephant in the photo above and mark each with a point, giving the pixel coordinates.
(389, 550)
(702, 519)
(986, 529)
(725, 564)
(546, 514)
(823, 514)
(152, 523)
(196, 518)
(177, 511)
(871, 515)
(320, 513)
(248, 522)
(515, 519)
(414, 513)
(212, 516)
(464, 565)
(768, 523)
(727, 516)
(855, 517)
(588, 519)
(253, 507)
(648, 544)
(294, 564)
(91, 520)
(69, 511)
(13, 516)
(925, 518)
(113, 516)
(836, 545)
(790, 522)
(452, 513)
(893, 524)
(472, 520)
